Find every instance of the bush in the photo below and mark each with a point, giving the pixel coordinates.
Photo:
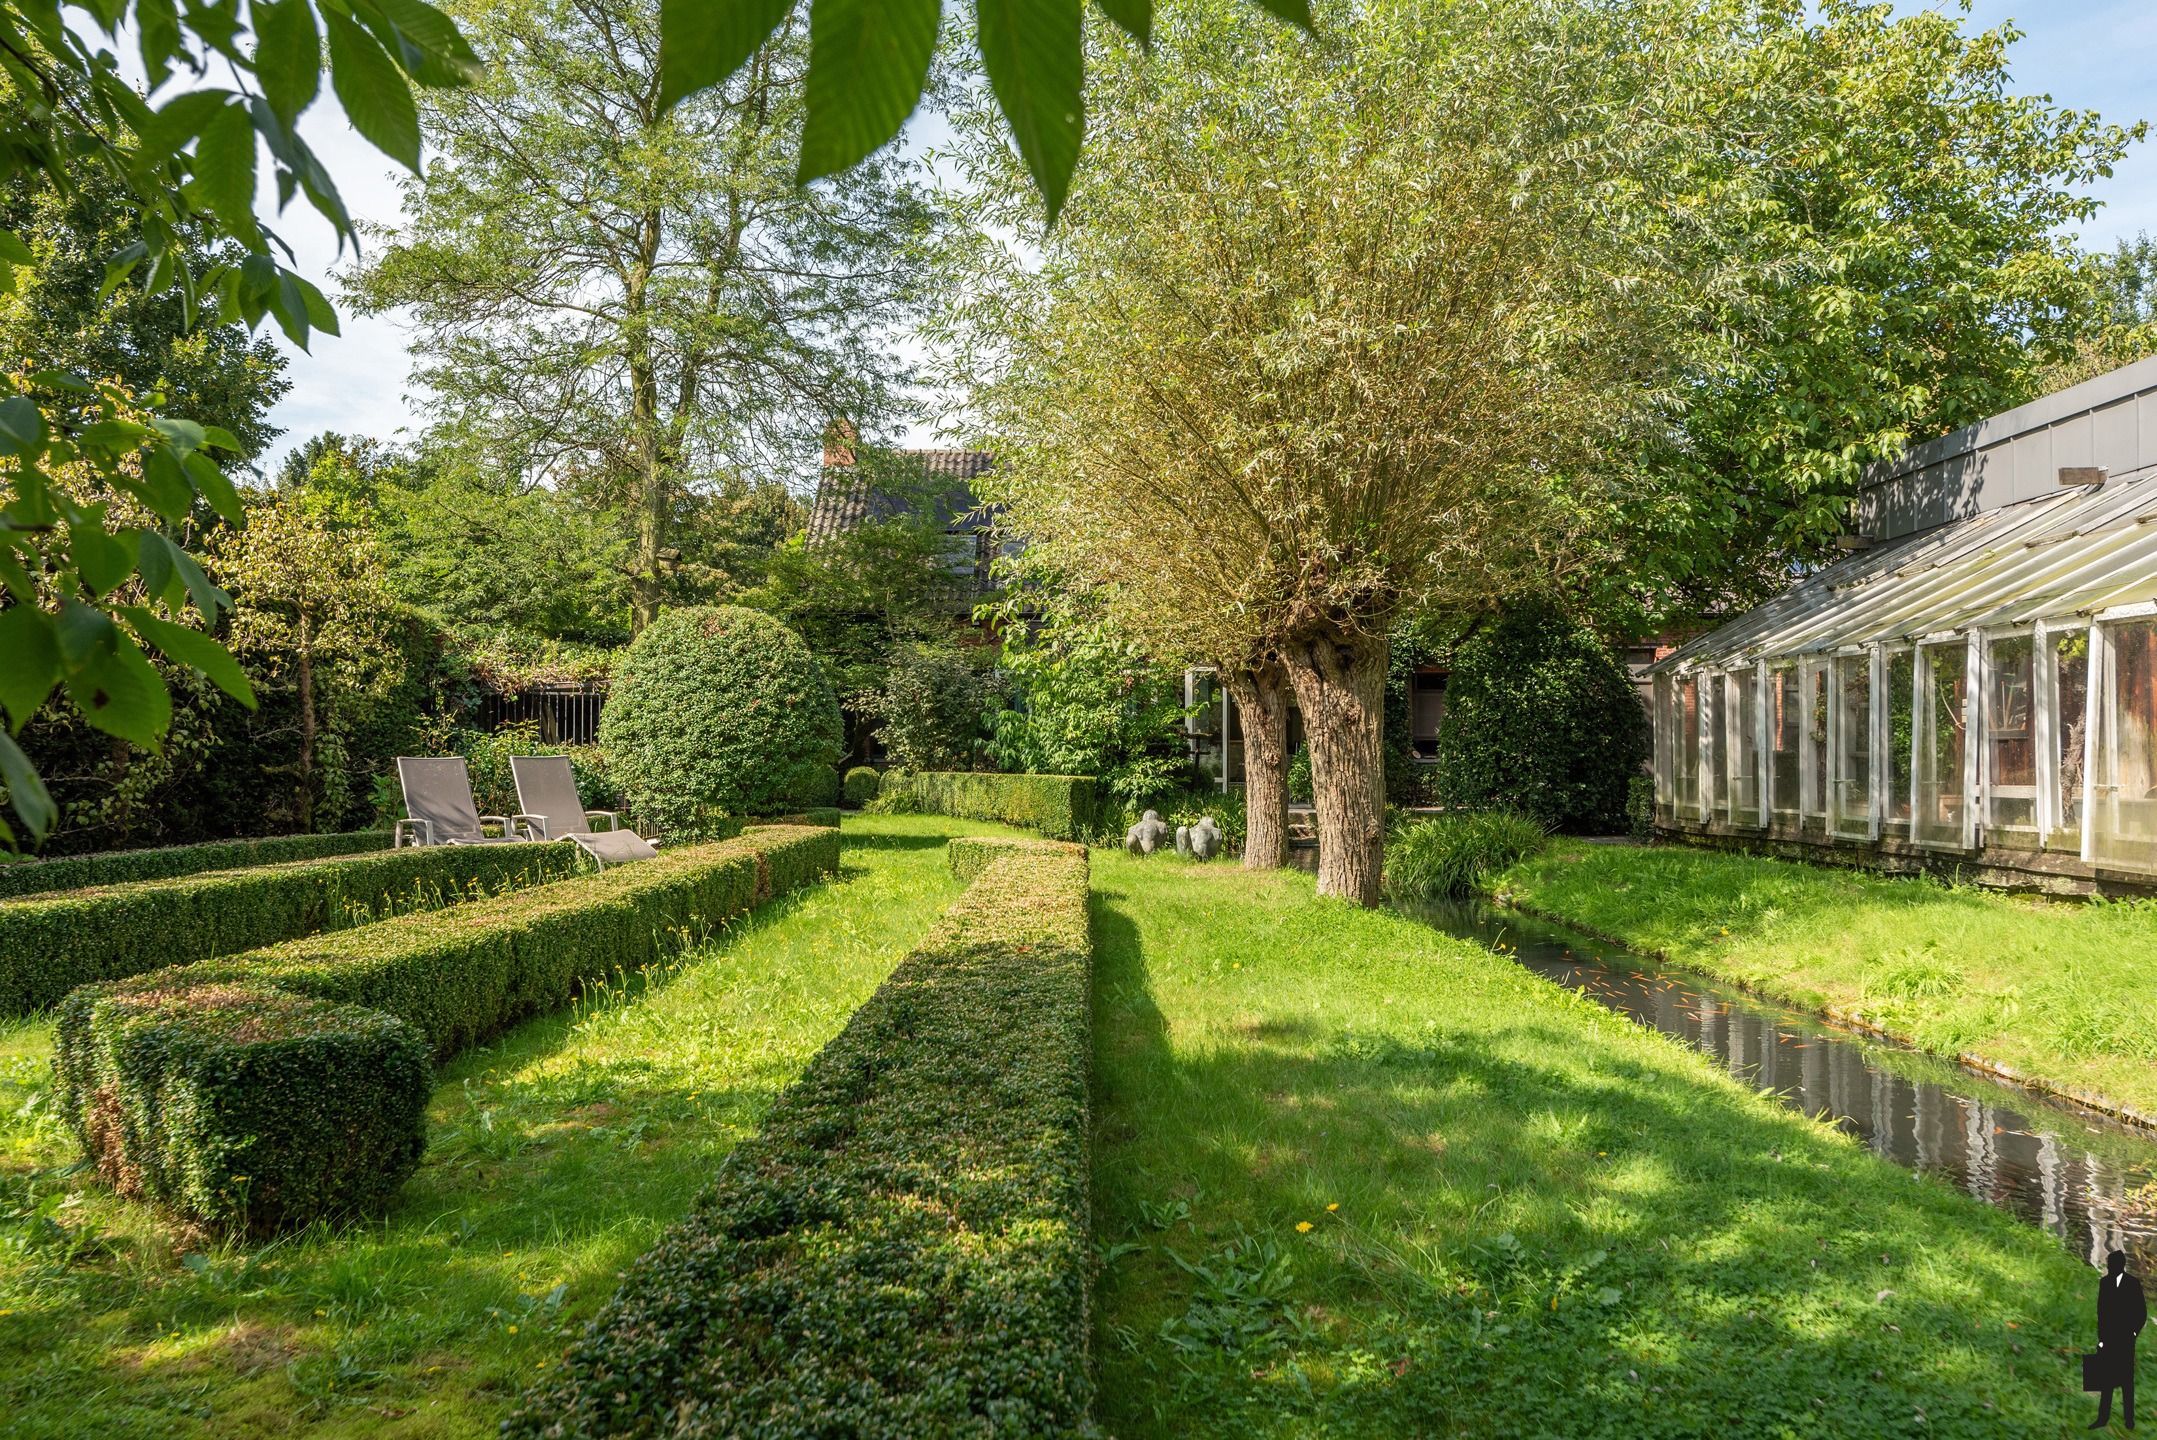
(1541, 718)
(1449, 858)
(251, 1106)
(1182, 807)
(1059, 806)
(713, 711)
(51, 944)
(902, 1249)
(860, 786)
(1298, 779)
(447, 981)
(1640, 807)
(930, 708)
(121, 867)
(811, 785)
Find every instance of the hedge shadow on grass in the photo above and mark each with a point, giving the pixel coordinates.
(1723, 1238)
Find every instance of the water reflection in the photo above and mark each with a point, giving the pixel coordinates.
(2069, 1170)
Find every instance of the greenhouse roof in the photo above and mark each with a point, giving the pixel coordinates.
(2077, 553)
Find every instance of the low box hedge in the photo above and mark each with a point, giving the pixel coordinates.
(1059, 806)
(50, 944)
(122, 867)
(443, 980)
(902, 1248)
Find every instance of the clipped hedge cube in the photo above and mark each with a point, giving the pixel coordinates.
(248, 1109)
(1061, 807)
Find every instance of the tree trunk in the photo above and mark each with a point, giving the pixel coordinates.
(1340, 682)
(1261, 696)
(307, 733)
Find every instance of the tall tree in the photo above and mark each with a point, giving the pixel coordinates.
(640, 296)
(1307, 357)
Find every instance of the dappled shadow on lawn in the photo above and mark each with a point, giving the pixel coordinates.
(1547, 1223)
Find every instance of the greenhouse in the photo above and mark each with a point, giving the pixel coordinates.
(1979, 681)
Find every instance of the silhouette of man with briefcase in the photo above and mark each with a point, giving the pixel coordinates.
(2121, 1313)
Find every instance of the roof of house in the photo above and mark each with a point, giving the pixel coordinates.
(848, 496)
(2064, 557)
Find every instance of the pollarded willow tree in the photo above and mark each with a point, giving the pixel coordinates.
(632, 300)
(1326, 333)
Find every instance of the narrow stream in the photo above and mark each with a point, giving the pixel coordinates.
(2070, 1170)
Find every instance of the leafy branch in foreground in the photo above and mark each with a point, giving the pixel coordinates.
(869, 63)
(83, 584)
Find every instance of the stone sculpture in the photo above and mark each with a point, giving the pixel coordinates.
(1148, 835)
(1205, 839)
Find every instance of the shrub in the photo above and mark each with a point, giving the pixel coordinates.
(445, 980)
(1182, 807)
(1059, 806)
(121, 867)
(712, 712)
(811, 784)
(1541, 718)
(1640, 807)
(1298, 781)
(250, 1106)
(51, 944)
(902, 1249)
(860, 786)
(930, 708)
(1449, 857)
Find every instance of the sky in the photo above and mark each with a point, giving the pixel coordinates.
(2087, 54)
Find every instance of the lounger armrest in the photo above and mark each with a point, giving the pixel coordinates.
(421, 831)
(508, 827)
(533, 825)
(613, 818)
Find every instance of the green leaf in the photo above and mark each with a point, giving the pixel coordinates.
(102, 559)
(868, 62)
(22, 428)
(701, 42)
(373, 91)
(120, 692)
(82, 631)
(25, 791)
(207, 597)
(185, 436)
(1031, 50)
(29, 662)
(165, 487)
(1295, 12)
(288, 55)
(216, 487)
(1133, 17)
(425, 42)
(225, 173)
(194, 649)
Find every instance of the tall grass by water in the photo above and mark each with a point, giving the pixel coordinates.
(1453, 856)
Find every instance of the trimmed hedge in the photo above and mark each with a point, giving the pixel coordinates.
(860, 786)
(902, 1249)
(824, 815)
(51, 944)
(122, 867)
(1059, 806)
(260, 1144)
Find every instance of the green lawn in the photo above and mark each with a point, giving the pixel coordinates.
(555, 1158)
(1525, 1216)
(2062, 991)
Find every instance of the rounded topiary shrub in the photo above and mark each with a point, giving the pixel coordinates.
(1542, 718)
(716, 711)
(860, 786)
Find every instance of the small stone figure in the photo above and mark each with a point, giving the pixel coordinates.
(1183, 841)
(1148, 835)
(1205, 839)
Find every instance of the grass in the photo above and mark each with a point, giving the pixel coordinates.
(1451, 856)
(1355, 1178)
(555, 1157)
(2058, 991)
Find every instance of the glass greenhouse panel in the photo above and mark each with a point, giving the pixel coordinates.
(2068, 653)
(2011, 739)
(1941, 724)
(1850, 770)
(1901, 730)
(2124, 833)
(1815, 777)
(1741, 746)
(1687, 739)
(1785, 729)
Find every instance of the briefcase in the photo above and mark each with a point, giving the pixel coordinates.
(2097, 1372)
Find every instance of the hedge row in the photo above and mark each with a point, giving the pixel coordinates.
(1059, 806)
(257, 1092)
(51, 944)
(121, 867)
(902, 1249)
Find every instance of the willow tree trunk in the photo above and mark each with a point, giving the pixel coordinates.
(1261, 696)
(1340, 684)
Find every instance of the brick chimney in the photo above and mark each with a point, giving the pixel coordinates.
(839, 437)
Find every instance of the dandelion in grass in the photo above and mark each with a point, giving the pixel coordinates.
(1335, 1205)
(1303, 1227)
